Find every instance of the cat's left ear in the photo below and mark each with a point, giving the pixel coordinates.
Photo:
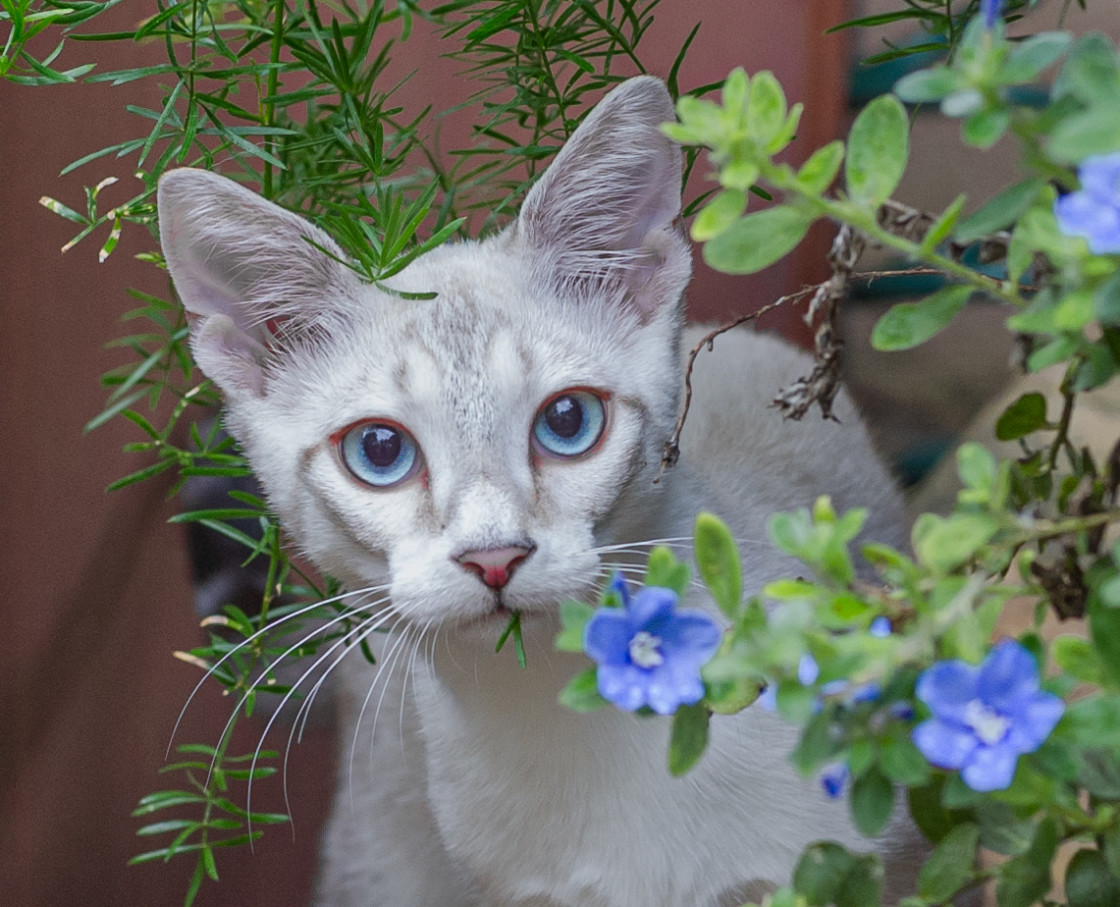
(248, 269)
(603, 213)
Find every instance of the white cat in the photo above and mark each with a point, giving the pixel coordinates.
(495, 449)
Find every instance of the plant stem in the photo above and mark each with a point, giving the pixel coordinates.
(272, 83)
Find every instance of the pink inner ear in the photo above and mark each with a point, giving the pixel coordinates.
(274, 327)
(276, 324)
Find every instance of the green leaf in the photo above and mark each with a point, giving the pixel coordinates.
(665, 570)
(728, 697)
(689, 737)
(1090, 882)
(878, 146)
(1091, 72)
(817, 173)
(716, 216)
(1099, 772)
(863, 886)
(976, 466)
(717, 559)
(1110, 847)
(931, 815)
(1025, 415)
(942, 543)
(1094, 131)
(986, 127)
(1001, 831)
(1104, 631)
(795, 702)
(1091, 721)
(738, 174)
(821, 871)
(766, 111)
(1029, 57)
(951, 865)
(910, 323)
(582, 693)
(901, 761)
(1106, 300)
(790, 532)
(513, 628)
(1032, 55)
(872, 802)
(943, 226)
(757, 240)
(574, 616)
(927, 85)
(1026, 878)
(1078, 658)
(1000, 211)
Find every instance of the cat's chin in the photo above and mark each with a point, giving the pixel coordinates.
(489, 627)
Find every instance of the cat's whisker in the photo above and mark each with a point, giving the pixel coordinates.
(364, 628)
(420, 637)
(379, 622)
(388, 660)
(409, 636)
(340, 618)
(300, 612)
(361, 633)
(357, 638)
(608, 570)
(638, 547)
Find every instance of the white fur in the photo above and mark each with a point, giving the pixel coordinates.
(480, 789)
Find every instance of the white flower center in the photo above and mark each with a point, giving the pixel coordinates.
(645, 650)
(989, 726)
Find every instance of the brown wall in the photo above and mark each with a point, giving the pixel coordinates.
(95, 586)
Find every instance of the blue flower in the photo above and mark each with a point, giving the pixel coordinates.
(649, 653)
(985, 716)
(1094, 211)
(834, 778)
(990, 10)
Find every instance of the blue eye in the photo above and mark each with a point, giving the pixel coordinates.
(378, 453)
(569, 424)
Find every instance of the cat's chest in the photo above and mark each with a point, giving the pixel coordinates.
(545, 806)
(542, 804)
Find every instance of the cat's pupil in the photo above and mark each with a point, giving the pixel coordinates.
(381, 445)
(564, 417)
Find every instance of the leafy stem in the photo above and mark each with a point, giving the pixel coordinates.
(268, 103)
(859, 217)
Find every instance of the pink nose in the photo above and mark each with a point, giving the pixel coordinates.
(495, 566)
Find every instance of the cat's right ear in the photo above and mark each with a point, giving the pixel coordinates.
(247, 269)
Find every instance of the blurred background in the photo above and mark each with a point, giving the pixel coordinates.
(97, 586)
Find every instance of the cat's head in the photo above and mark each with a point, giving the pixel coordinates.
(465, 449)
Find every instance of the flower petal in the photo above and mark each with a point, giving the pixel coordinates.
(1008, 676)
(990, 768)
(650, 603)
(947, 687)
(619, 587)
(691, 635)
(1080, 214)
(833, 778)
(607, 635)
(670, 687)
(1033, 721)
(1100, 177)
(625, 686)
(944, 745)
